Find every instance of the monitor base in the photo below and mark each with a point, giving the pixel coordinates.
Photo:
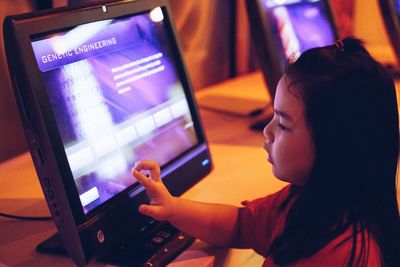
(52, 245)
(260, 124)
(158, 249)
(234, 106)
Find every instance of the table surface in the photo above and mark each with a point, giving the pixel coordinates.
(241, 172)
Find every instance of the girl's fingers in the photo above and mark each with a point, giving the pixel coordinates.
(152, 211)
(150, 166)
(146, 182)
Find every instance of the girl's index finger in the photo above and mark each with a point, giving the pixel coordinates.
(143, 179)
(151, 166)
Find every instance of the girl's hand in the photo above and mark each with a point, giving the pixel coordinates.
(161, 201)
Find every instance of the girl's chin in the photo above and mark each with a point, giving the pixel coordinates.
(286, 179)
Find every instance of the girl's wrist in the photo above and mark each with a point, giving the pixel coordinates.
(173, 208)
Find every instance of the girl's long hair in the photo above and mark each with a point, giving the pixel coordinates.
(351, 108)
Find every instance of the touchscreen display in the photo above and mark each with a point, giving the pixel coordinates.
(300, 24)
(117, 98)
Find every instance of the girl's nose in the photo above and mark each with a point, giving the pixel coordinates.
(268, 134)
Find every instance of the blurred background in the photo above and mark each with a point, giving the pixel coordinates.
(215, 39)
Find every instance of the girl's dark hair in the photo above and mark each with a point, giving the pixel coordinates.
(351, 108)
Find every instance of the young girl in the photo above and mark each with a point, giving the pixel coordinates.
(335, 138)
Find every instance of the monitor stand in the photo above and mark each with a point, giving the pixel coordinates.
(156, 250)
(259, 126)
(263, 119)
(394, 70)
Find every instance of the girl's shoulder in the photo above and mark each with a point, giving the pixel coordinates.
(260, 220)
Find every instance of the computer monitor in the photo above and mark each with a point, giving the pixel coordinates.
(390, 12)
(98, 88)
(282, 29)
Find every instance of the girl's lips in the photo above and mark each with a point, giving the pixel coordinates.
(265, 146)
(270, 160)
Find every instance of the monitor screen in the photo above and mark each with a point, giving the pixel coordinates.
(283, 29)
(116, 96)
(99, 88)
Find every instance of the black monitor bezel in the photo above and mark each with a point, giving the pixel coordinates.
(53, 23)
(41, 129)
(268, 57)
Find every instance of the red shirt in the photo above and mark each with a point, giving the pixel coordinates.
(261, 221)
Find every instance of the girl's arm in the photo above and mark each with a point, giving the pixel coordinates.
(213, 223)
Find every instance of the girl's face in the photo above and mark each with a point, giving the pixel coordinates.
(288, 139)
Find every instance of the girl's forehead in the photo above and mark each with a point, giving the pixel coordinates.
(286, 100)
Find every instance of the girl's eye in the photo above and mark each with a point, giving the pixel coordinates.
(282, 127)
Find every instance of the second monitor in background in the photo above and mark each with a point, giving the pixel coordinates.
(390, 10)
(282, 29)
